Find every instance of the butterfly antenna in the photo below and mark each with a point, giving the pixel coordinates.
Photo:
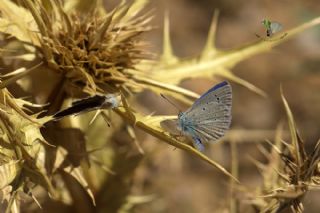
(169, 101)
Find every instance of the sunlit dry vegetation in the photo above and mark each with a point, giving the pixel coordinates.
(121, 158)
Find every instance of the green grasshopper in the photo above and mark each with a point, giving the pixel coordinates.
(271, 27)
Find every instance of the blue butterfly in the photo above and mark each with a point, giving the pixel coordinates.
(209, 117)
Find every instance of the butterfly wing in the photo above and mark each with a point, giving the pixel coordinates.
(210, 116)
(220, 93)
(198, 144)
(211, 122)
(80, 106)
(275, 27)
(170, 125)
(88, 104)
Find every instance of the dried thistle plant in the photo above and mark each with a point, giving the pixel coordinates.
(86, 53)
(22, 145)
(87, 50)
(290, 173)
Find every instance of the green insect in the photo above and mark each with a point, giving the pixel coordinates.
(271, 27)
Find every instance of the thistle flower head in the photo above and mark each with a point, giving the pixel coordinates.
(96, 50)
(290, 172)
(92, 51)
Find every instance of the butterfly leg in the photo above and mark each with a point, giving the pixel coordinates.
(276, 39)
(176, 136)
(284, 35)
(198, 144)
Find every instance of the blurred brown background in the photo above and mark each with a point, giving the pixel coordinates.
(182, 183)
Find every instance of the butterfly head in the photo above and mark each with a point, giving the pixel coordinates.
(111, 101)
(182, 122)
